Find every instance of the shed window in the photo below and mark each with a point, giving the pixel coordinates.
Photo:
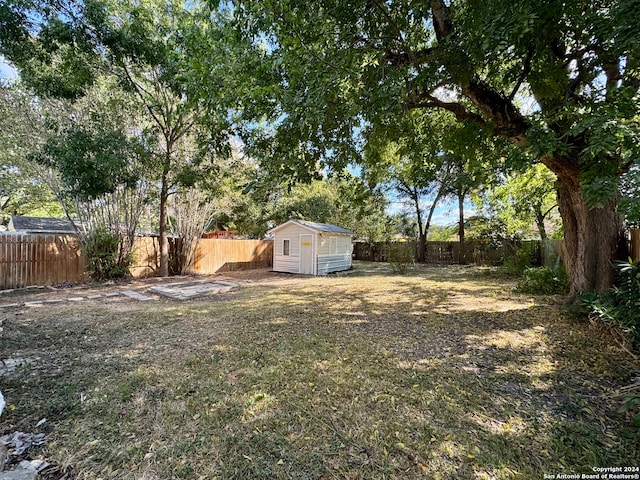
(333, 245)
(285, 247)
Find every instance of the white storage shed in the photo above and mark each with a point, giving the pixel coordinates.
(311, 248)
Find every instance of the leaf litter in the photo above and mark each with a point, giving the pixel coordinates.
(443, 373)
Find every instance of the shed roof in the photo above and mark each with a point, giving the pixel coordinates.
(316, 227)
(21, 223)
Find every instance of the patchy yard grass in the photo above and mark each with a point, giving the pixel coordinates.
(442, 373)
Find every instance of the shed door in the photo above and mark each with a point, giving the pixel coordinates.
(306, 254)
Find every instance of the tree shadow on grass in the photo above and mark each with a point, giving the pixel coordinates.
(310, 382)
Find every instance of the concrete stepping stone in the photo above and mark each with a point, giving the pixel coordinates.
(192, 289)
(8, 365)
(136, 295)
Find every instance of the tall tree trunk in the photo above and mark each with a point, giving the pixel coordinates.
(542, 230)
(590, 238)
(164, 241)
(422, 236)
(422, 246)
(463, 253)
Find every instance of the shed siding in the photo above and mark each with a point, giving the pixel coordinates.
(292, 232)
(333, 263)
(323, 244)
(288, 263)
(343, 244)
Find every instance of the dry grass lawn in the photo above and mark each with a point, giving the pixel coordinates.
(441, 373)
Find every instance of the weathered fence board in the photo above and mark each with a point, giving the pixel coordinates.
(552, 253)
(146, 257)
(635, 245)
(220, 255)
(39, 260)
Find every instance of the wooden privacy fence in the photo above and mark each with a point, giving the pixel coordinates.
(548, 253)
(220, 255)
(212, 255)
(447, 253)
(52, 260)
(40, 260)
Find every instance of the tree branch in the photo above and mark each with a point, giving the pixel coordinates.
(403, 59)
(460, 112)
(139, 91)
(442, 22)
(526, 69)
(405, 47)
(544, 215)
(494, 105)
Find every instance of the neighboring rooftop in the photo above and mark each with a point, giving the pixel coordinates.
(23, 224)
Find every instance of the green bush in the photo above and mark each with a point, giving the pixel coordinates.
(517, 263)
(523, 257)
(102, 249)
(619, 306)
(543, 281)
(400, 256)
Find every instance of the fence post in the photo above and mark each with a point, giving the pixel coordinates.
(635, 244)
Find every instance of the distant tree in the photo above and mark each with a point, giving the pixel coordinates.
(342, 199)
(99, 160)
(341, 66)
(262, 202)
(62, 48)
(630, 192)
(405, 224)
(408, 159)
(440, 233)
(524, 199)
(25, 185)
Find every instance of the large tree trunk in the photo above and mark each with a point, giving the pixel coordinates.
(591, 235)
(590, 238)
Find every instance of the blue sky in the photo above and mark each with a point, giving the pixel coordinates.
(445, 214)
(6, 70)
